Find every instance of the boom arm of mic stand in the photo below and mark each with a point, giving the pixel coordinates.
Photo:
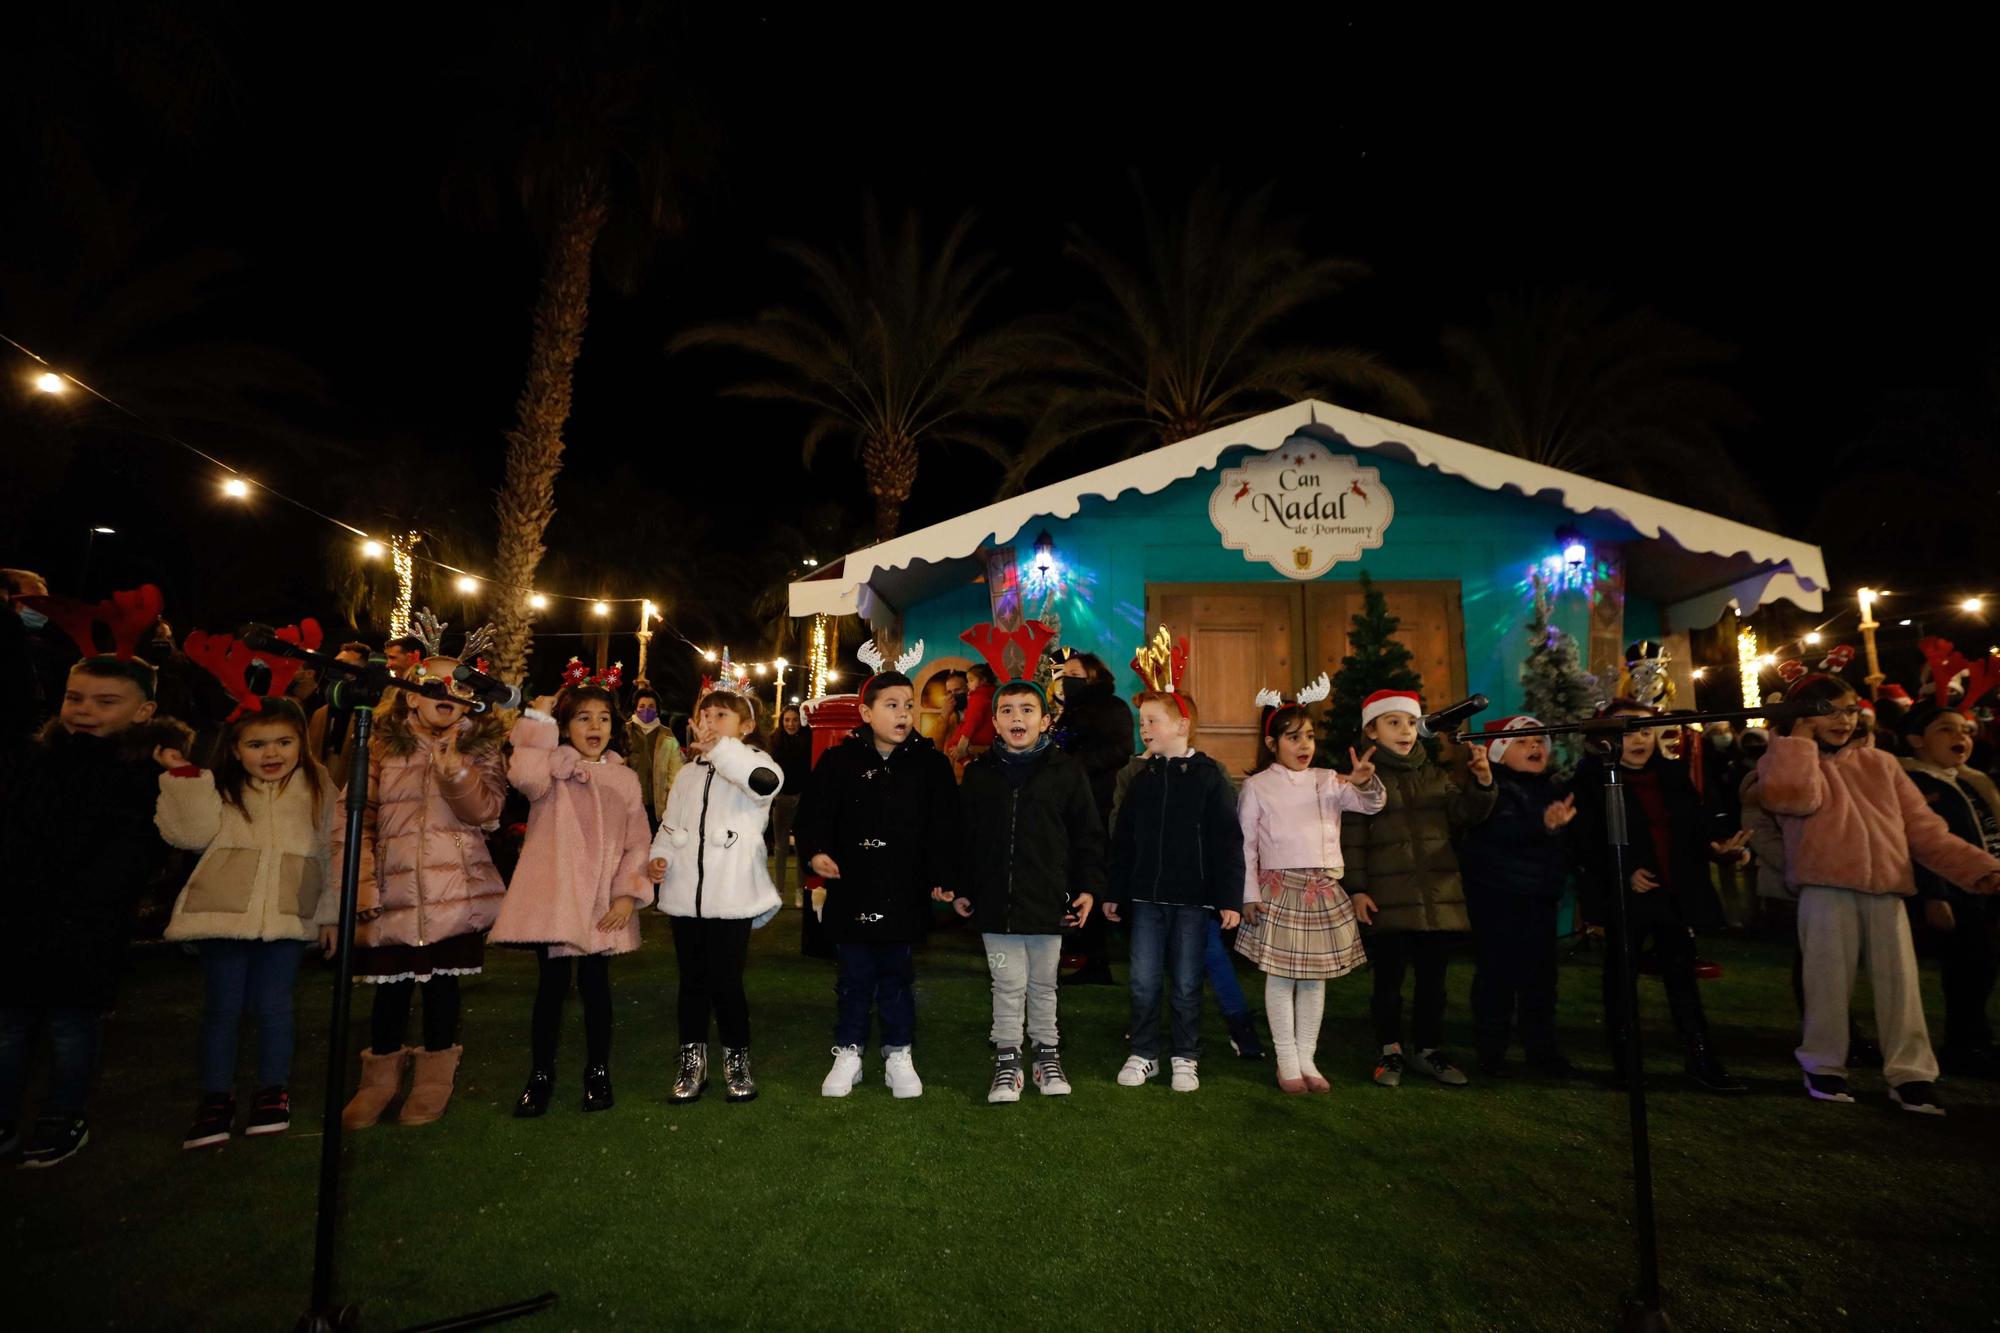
(1623, 722)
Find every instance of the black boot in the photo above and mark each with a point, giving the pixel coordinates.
(597, 1088)
(1243, 1037)
(534, 1099)
(1706, 1070)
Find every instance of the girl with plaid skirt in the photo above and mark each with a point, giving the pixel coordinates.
(1298, 922)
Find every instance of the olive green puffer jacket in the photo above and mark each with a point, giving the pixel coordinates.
(1403, 858)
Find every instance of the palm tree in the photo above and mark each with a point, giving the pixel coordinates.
(604, 135)
(890, 356)
(1189, 338)
(1632, 397)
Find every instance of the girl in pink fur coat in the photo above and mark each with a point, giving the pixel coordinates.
(582, 877)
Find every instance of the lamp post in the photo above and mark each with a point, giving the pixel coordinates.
(89, 542)
(648, 613)
(1874, 677)
(779, 666)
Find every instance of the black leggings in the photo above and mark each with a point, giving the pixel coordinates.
(593, 981)
(390, 1019)
(710, 956)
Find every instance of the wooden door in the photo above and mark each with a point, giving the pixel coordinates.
(1241, 639)
(1433, 629)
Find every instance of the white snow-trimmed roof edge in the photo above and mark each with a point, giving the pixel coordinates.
(1793, 570)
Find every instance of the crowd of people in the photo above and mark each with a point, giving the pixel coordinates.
(1033, 819)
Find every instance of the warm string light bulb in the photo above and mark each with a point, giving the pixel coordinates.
(50, 382)
(1748, 663)
(468, 584)
(537, 602)
(236, 488)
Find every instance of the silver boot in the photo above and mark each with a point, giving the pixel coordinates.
(740, 1087)
(694, 1073)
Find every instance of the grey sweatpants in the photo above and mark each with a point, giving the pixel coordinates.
(1024, 967)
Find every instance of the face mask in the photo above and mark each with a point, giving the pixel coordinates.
(647, 714)
(32, 619)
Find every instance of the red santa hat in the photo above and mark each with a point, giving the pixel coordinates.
(1390, 701)
(1894, 691)
(1498, 746)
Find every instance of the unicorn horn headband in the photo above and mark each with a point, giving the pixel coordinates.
(1311, 694)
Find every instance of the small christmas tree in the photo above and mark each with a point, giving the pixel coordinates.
(1374, 661)
(1554, 685)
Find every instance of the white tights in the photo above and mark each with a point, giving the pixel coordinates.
(1294, 1009)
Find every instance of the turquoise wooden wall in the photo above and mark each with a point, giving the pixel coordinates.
(1443, 528)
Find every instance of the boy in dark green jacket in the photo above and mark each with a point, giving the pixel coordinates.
(1403, 859)
(1033, 863)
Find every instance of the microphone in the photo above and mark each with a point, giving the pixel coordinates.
(265, 639)
(1446, 718)
(1792, 712)
(492, 693)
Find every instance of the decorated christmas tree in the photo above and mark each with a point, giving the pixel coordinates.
(1374, 661)
(1554, 685)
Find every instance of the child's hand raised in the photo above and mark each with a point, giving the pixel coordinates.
(1361, 769)
(1364, 908)
(942, 894)
(656, 869)
(543, 703)
(620, 913)
(1479, 765)
(1557, 814)
(962, 906)
(168, 758)
(826, 868)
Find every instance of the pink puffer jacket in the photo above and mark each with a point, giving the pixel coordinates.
(587, 844)
(1852, 819)
(425, 872)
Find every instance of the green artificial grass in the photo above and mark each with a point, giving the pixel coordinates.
(1504, 1205)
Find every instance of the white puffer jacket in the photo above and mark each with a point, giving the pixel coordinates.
(712, 836)
(263, 873)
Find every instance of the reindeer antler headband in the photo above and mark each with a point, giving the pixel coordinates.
(871, 657)
(1311, 694)
(577, 676)
(1946, 662)
(1161, 664)
(230, 661)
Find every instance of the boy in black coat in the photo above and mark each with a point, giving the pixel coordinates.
(77, 846)
(1516, 866)
(1032, 862)
(877, 823)
(1667, 889)
(1176, 860)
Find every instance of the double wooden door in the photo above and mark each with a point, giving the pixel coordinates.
(1243, 637)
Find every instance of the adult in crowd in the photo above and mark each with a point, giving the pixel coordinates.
(30, 684)
(791, 746)
(957, 689)
(403, 654)
(651, 750)
(974, 734)
(329, 729)
(1095, 729)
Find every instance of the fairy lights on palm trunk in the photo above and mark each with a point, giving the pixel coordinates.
(402, 559)
(1748, 664)
(817, 652)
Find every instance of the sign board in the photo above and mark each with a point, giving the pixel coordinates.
(1300, 508)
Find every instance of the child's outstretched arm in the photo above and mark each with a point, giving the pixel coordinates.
(189, 815)
(1937, 848)
(532, 767)
(1788, 778)
(1472, 802)
(752, 770)
(1360, 791)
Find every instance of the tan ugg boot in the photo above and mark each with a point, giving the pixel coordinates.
(430, 1086)
(381, 1080)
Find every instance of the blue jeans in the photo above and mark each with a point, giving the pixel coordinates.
(75, 1036)
(1222, 974)
(1163, 936)
(878, 975)
(252, 975)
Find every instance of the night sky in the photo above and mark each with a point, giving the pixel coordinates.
(1815, 198)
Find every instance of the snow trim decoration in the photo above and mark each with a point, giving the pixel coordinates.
(1797, 573)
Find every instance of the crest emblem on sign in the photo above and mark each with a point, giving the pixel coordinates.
(1302, 557)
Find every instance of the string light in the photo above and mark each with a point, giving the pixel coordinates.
(50, 382)
(1747, 665)
(467, 584)
(401, 559)
(538, 602)
(600, 608)
(1972, 605)
(1812, 637)
(371, 549)
(236, 488)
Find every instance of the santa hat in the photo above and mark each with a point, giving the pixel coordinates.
(1390, 701)
(1867, 706)
(1894, 691)
(1497, 747)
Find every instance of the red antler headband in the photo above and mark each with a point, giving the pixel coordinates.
(230, 661)
(1011, 653)
(1946, 662)
(1161, 664)
(127, 615)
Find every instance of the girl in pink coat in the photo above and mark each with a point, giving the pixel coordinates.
(583, 873)
(428, 887)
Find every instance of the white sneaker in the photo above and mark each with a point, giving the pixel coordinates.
(1137, 1070)
(845, 1075)
(1184, 1075)
(1006, 1076)
(1049, 1077)
(899, 1071)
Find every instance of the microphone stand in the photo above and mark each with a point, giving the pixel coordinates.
(1640, 1311)
(358, 688)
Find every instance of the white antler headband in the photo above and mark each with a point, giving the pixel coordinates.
(1316, 691)
(871, 657)
(1270, 698)
(428, 629)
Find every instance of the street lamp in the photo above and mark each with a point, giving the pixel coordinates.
(90, 540)
(1867, 597)
(1045, 551)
